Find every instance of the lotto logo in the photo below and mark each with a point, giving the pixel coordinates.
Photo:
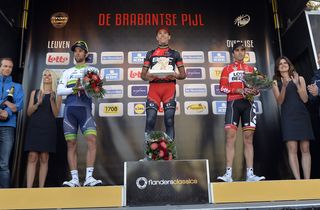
(58, 59)
(134, 74)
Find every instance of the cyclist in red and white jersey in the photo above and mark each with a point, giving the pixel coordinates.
(238, 107)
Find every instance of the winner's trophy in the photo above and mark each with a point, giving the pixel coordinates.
(162, 69)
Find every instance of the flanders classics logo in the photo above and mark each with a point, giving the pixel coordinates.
(142, 182)
(242, 20)
(59, 19)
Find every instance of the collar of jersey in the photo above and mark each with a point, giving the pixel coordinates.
(239, 62)
(81, 66)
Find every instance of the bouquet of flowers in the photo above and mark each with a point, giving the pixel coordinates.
(256, 80)
(93, 84)
(159, 146)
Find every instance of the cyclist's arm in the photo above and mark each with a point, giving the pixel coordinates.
(62, 89)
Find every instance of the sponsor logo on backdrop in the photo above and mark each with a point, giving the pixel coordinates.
(193, 56)
(55, 58)
(219, 107)
(143, 182)
(136, 108)
(134, 74)
(91, 58)
(58, 44)
(250, 57)
(137, 91)
(242, 20)
(215, 72)
(112, 58)
(219, 56)
(111, 109)
(195, 90)
(113, 91)
(196, 108)
(59, 19)
(136, 57)
(215, 90)
(195, 73)
(112, 74)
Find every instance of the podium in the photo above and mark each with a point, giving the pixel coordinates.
(167, 182)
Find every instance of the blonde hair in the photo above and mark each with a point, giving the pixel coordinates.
(54, 80)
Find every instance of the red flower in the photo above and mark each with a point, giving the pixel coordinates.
(97, 89)
(86, 79)
(163, 145)
(154, 146)
(161, 153)
(170, 156)
(95, 77)
(153, 157)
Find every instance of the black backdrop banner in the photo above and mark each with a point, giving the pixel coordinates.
(119, 32)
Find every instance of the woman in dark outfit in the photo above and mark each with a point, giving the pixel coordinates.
(42, 131)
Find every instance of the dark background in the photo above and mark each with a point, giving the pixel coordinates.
(196, 136)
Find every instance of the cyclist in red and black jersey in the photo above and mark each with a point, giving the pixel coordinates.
(162, 89)
(238, 107)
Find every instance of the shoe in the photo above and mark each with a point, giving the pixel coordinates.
(255, 178)
(71, 183)
(91, 182)
(225, 178)
(144, 159)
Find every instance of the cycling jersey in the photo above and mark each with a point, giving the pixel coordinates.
(162, 89)
(77, 105)
(172, 56)
(231, 79)
(69, 80)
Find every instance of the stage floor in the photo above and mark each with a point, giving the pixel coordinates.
(281, 194)
(310, 204)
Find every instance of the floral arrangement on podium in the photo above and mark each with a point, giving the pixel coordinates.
(256, 80)
(159, 146)
(92, 83)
